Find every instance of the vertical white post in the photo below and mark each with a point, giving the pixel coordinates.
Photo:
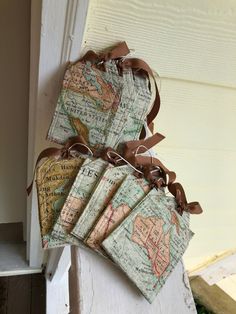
(56, 37)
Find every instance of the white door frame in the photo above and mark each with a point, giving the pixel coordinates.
(57, 29)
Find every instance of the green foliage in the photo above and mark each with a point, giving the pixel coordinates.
(201, 309)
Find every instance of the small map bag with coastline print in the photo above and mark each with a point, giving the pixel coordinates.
(106, 99)
(54, 178)
(148, 244)
(93, 187)
(129, 194)
(105, 189)
(108, 207)
(80, 192)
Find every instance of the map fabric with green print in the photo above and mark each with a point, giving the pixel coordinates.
(80, 192)
(149, 243)
(129, 194)
(102, 106)
(105, 189)
(54, 178)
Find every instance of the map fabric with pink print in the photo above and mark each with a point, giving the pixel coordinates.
(80, 192)
(107, 109)
(130, 193)
(149, 243)
(102, 194)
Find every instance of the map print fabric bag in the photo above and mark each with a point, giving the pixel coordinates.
(135, 103)
(138, 113)
(114, 205)
(149, 243)
(130, 193)
(77, 199)
(105, 189)
(118, 123)
(104, 100)
(54, 179)
(85, 104)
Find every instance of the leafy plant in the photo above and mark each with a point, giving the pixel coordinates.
(201, 309)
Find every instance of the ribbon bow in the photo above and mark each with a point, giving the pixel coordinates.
(77, 143)
(165, 177)
(177, 190)
(151, 168)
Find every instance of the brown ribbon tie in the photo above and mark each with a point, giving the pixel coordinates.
(144, 161)
(146, 164)
(106, 154)
(141, 146)
(116, 52)
(63, 152)
(156, 177)
(177, 191)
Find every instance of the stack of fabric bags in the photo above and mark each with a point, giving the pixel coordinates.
(103, 189)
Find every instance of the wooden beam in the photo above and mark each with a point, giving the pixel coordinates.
(212, 297)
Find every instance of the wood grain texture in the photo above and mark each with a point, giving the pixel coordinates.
(38, 294)
(74, 282)
(186, 39)
(212, 297)
(3, 295)
(35, 32)
(59, 261)
(103, 288)
(23, 294)
(197, 116)
(208, 177)
(19, 295)
(56, 34)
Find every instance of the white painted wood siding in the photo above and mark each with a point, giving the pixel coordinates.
(187, 39)
(192, 45)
